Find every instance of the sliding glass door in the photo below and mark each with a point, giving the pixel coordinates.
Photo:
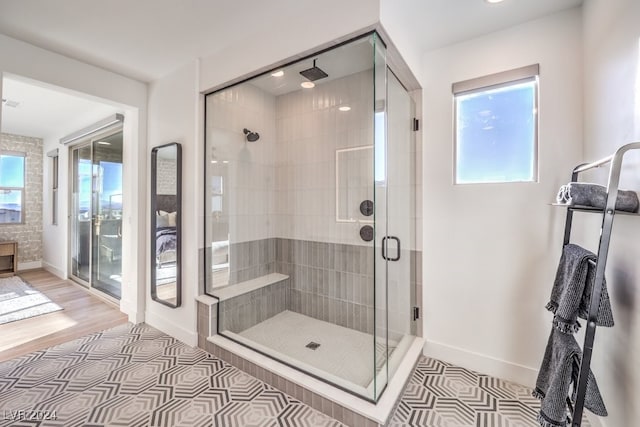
(96, 213)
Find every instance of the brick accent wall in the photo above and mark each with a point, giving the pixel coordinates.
(29, 234)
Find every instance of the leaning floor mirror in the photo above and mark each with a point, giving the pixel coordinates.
(166, 201)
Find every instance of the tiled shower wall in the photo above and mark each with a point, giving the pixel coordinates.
(330, 281)
(310, 128)
(279, 202)
(246, 310)
(333, 282)
(246, 169)
(248, 260)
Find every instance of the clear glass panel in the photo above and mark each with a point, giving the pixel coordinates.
(96, 215)
(382, 243)
(401, 217)
(10, 206)
(106, 246)
(81, 213)
(289, 202)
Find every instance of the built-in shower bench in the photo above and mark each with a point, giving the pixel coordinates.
(237, 289)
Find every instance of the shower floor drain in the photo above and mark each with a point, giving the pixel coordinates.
(312, 345)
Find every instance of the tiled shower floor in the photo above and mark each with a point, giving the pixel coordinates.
(344, 353)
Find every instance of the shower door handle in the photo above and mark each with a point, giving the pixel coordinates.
(385, 241)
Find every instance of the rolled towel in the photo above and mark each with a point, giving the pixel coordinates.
(560, 198)
(595, 195)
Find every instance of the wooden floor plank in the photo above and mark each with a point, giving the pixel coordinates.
(82, 314)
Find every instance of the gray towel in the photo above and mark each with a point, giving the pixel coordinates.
(595, 195)
(560, 368)
(571, 293)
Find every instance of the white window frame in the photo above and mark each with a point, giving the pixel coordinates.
(491, 82)
(55, 173)
(22, 189)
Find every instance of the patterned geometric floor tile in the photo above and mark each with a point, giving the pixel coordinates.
(138, 376)
(440, 394)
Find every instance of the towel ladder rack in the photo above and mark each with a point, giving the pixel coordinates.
(608, 214)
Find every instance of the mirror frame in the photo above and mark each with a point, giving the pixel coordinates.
(154, 185)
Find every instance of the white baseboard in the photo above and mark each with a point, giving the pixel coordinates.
(135, 316)
(482, 363)
(53, 270)
(178, 332)
(29, 265)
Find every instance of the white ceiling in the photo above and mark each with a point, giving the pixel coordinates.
(47, 113)
(439, 23)
(339, 62)
(145, 39)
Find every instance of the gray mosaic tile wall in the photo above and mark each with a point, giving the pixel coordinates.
(330, 281)
(246, 310)
(29, 234)
(248, 260)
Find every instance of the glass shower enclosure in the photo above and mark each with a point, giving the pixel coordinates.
(310, 215)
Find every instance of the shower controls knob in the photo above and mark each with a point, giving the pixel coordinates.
(366, 233)
(366, 208)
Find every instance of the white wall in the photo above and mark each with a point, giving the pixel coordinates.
(54, 238)
(51, 69)
(393, 19)
(490, 251)
(612, 118)
(173, 117)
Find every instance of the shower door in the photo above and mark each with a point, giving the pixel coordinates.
(401, 214)
(395, 219)
(96, 213)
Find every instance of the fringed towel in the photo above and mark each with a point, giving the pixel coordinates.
(560, 368)
(571, 293)
(595, 195)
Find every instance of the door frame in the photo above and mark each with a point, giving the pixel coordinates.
(88, 140)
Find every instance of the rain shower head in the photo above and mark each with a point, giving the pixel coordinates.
(314, 73)
(251, 136)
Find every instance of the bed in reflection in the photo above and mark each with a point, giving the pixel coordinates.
(166, 239)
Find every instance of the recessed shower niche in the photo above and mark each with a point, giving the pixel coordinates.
(298, 161)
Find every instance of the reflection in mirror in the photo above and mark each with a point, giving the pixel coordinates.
(354, 188)
(220, 243)
(166, 200)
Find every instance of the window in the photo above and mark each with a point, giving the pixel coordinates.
(496, 127)
(53, 155)
(11, 187)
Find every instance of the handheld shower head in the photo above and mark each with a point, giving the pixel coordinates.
(251, 136)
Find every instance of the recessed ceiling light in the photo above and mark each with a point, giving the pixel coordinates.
(225, 161)
(344, 108)
(278, 73)
(104, 143)
(214, 161)
(494, 1)
(308, 85)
